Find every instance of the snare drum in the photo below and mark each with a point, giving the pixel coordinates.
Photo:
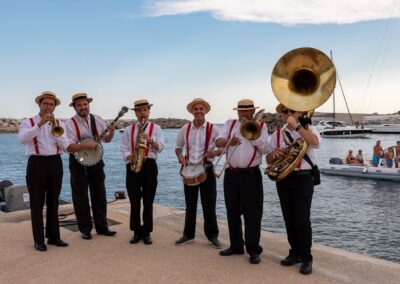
(193, 174)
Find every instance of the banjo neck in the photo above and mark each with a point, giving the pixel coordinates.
(120, 114)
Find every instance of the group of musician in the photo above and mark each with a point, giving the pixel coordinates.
(198, 143)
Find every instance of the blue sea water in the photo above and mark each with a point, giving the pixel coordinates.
(359, 215)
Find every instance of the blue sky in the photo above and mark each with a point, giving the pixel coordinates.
(173, 51)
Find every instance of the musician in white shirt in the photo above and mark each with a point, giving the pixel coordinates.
(197, 138)
(44, 171)
(243, 188)
(141, 173)
(86, 125)
(295, 191)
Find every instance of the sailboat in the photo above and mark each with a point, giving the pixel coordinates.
(338, 129)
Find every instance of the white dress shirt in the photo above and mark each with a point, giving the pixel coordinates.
(240, 155)
(197, 141)
(85, 128)
(273, 143)
(47, 143)
(126, 143)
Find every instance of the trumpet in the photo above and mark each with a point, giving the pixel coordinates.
(250, 129)
(56, 130)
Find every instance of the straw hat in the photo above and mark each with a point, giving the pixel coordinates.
(47, 94)
(279, 108)
(190, 105)
(141, 103)
(80, 96)
(245, 104)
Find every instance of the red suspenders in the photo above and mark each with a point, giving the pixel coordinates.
(209, 128)
(35, 142)
(146, 154)
(255, 149)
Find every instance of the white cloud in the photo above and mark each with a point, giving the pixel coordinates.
(288, 12)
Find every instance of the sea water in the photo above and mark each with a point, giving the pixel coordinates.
(355, 214)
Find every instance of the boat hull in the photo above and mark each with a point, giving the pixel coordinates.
(392, 174)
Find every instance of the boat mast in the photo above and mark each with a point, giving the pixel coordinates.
(344, 97)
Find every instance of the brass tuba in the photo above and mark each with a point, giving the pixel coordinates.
(56, 130)
(139, 151)
(303, 79)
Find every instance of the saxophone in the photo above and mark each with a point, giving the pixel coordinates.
(140, 149)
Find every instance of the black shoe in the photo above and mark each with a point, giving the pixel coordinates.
(214, 242)
(229, 251)
(183, 240)
(86, 236)
(107, 233)
(135, 239)
(57, 242)
(147, 240)
(40, 247)
(255, 259)
(290, 260)
(306, 267)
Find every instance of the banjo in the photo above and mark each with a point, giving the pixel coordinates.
(92, 157)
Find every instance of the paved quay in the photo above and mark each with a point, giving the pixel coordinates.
(115, 260)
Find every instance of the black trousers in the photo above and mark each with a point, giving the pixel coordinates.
(243, 191)
(82, 179)
(208, 196)
(142, 187)
(44, 178)
(295, 194)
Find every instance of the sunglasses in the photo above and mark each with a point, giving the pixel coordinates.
(286, 111)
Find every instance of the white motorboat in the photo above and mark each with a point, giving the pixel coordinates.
(386, 124)
(362, 171)
(338, 129)
(388, 128)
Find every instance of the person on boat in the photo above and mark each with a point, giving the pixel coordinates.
(389, 155)
(359, 157)
(350, 159)
(397, 159)
(378, 153)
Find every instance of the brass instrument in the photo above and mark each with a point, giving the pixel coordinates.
(250, 130)
(56, 130)
(140, 149)
(302, 80)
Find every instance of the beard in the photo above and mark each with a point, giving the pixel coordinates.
(83, 113)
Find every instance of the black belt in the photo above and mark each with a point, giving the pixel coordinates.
(243, 169)
(301, 172)
(43, 157)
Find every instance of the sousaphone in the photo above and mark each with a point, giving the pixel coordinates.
(303, 79)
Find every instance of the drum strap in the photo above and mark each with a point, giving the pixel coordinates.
(187, 139)
(78, 133)
(35, 142)
(146, 154)
(209, 128)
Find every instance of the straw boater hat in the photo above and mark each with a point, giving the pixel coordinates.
(279, 108)
(80, 96)
(47, 94)
(245, 105)
(190, 105)
(141, 103)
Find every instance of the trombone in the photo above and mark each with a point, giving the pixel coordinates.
(250, 130)
(56, 130)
